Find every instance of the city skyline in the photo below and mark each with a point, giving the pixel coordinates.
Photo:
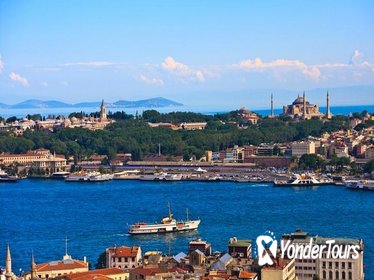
(176, 50)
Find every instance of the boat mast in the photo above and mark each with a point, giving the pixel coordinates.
(187, 215)
(170, 216)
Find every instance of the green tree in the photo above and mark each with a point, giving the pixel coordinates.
(310, 161)
(369, 166)
(101, 261)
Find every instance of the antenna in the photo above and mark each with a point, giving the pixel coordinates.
(66, 246)
(159, 149)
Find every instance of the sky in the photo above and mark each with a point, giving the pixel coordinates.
(194, 52)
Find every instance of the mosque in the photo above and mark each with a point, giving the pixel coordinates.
(303, 109)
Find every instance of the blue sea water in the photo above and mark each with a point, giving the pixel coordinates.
(36, 215)
(21, 113)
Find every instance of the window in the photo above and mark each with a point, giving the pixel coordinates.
(350, 275)
(336, 274)
(330, 274)
(336, 264)
(324, 274)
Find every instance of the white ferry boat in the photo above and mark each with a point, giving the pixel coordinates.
(5, 178)
(100, 177)
(88, 177)
(153, 177)
(60, 175)
(167, 225)
(367, 185)
(303, 180)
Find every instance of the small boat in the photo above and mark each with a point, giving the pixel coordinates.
(88, 177)
(366, 185)
(301, 180)
(100, 177)
(153, 177)
(173, 177)
(5, 178)
(60, 175)
(167, 225)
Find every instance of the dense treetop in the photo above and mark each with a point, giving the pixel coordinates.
(133, 135)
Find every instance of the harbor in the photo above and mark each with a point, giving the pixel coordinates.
(81, 211)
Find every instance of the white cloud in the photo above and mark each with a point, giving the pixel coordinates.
(151, 81)
(65, 83)
(172, 65)
(257, 64)
(200, 76)
(356, 58)
(18, 78)
(44, 84)
(182, 70)
(1, 65)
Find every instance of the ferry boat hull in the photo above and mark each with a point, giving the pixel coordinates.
(8, 179)
(286, 184)
(167, 225)
(174, 226)
(302, 181)
(5, 178)
(357, 185)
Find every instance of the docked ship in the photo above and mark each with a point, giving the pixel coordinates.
(167, 225)
(162, 176)
(153, 177)
(300, 180)
(88, 177)
(4, 177)
(60, 175)
(365, 185)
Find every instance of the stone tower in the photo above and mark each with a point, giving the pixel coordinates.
(328, 114)
(8, 268)
(272, 106)
(103, 111)
(304, 106)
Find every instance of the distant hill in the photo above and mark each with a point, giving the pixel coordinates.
(35, 103)
(157, 102)
(3, 106)
(148, 103)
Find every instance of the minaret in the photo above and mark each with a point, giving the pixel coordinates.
(8, 268)
(103, 111)
(328, 114)
(32, 267)
(272, 106)
(304, 106)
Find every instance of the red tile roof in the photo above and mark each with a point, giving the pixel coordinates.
(61, 265)
(97, 274)
(124, 251)
(153, 271)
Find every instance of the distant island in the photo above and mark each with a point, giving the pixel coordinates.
(157, 102)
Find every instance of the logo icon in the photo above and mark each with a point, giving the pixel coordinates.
(267, 248)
